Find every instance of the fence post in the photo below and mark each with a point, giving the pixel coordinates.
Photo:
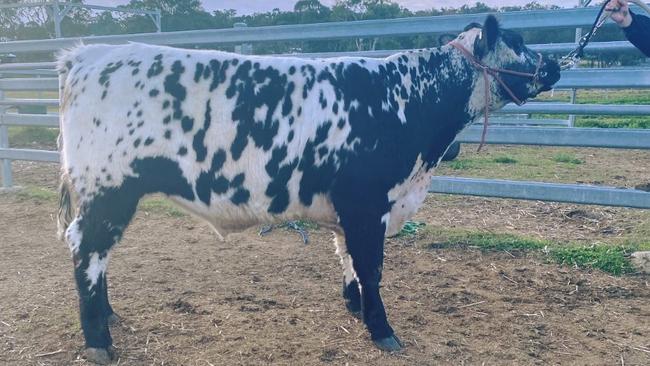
(574, 92)
(245, 48)
(4, 144)
(56, 14)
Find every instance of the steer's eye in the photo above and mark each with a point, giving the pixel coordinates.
(518, 44)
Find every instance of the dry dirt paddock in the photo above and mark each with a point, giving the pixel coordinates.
(186, 298)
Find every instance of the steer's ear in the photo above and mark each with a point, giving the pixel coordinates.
(488, 37)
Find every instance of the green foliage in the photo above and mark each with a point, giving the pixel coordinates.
(30, 135)
(37, 194)
(492, 241)
(460, 164)
(567, 158)
(505, 160)
(162, 206)
(612, 258)
(613, 122)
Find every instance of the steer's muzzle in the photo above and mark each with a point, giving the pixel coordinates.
(549, 74)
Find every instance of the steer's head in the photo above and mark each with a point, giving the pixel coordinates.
(503, 49)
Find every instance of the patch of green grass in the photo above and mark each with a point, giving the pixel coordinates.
(492, 241)
(567, 158)
(607, 258)
(37, 194)
(611, 258)
(161, 205)
(505, 160)
(460, 164)
(21, 136)
(613, 122)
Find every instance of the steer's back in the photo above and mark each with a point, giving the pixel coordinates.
(232, 138)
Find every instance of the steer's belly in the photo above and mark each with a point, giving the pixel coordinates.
(227, 218)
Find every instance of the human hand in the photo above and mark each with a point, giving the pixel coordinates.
(619, 12)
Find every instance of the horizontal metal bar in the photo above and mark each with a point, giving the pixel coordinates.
(15, 119)
(557, 136)
(95, 7)
(605, 78)
(27, 66)
(24, 5)
(576, 78)
(29, 84)
(120, 9)
(21, 102)
(29, 154)
(526, 122)
(579, 109)
(333, 30)
(592, 48)
(554, 192)
(11, 73)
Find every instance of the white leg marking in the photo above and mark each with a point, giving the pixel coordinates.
(346, 260)
(96, 268)
(73, 235)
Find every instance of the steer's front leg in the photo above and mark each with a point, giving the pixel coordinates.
(365, 242)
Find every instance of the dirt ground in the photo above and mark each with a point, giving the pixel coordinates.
(188, 299)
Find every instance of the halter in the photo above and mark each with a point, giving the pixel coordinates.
(494, 72)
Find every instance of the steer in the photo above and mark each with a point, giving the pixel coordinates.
(350, 143)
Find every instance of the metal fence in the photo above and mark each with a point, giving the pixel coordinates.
(40, 78)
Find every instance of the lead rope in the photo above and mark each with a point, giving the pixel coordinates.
(573, 57)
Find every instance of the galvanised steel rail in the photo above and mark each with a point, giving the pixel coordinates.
(553, 48)
(616, 138)
(576, 78)
(554, 192)
(579, 17)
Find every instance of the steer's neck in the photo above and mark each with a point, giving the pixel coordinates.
(441, 98)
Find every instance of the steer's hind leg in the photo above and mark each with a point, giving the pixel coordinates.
(365, 243)
(111, 317)
(99, 225)
(351, 293)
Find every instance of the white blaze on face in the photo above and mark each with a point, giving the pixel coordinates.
(96, 268)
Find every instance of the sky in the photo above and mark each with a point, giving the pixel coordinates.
(253, 6)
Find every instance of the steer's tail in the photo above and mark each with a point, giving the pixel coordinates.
(66, 211)
(66, 60)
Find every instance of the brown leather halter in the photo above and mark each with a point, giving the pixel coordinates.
(494, 72)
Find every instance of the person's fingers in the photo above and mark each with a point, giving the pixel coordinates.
(611, 5)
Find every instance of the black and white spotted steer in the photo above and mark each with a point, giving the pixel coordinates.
(241, 140)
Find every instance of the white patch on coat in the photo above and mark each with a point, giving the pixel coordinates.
(349, 274)
(73, 235)
(407, 197)
(96, 268)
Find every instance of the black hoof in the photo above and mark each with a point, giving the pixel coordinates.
(357, 314)
(354, 309)
(101, 356)
(113, 319)
(389, 344)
